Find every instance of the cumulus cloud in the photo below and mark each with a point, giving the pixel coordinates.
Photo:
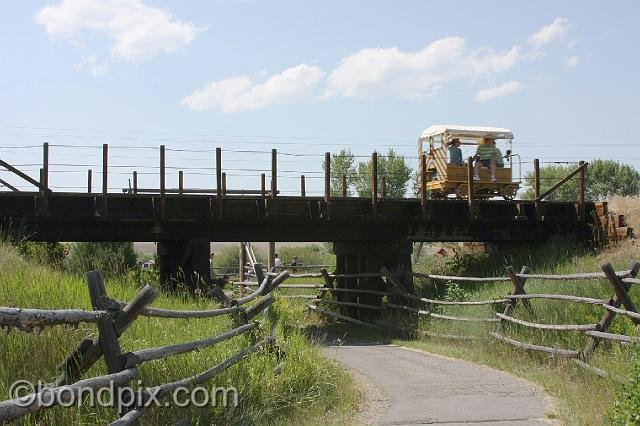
(242, 94)
(133, 30)
(550, 33)
(380, 72)
(505, 89)
(573, 62)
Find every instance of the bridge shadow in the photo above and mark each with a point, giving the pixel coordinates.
(346, 335)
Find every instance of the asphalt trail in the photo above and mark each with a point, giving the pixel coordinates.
(410, 387)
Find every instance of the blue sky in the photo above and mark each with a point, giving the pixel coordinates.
(306, 78)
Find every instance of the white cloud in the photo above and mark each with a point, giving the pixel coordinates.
(550, 33)
(379, 72)
(505, 89)
(242, 94)
(91, 62)
(573, 62)
(134, 31)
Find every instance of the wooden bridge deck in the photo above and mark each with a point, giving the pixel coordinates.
(63, 216)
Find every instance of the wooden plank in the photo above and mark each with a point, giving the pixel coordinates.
(260, 306)
(611, 336)
(518, 288)
(167, 388)
(561, 182)
(353, 304)
(130, 418)
(572, 277)
(342, 317)
(22, 175)
(30, 319)
(569, 298)
(8, 185)
(145, 355)
(591, 368)
(448, 336)
(15, 408)
(553, 351)
(557, 327)
(621, 311)
(274, 174)
(172, 313)
(439, 316)
(460, 279)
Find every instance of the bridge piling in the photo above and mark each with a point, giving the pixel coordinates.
(184, 261)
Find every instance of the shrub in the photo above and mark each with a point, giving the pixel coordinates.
(110, 258)
(626, 410)
(45, 253)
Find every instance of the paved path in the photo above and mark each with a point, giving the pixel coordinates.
(413, 387)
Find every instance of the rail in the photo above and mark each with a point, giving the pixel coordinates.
(112, 318)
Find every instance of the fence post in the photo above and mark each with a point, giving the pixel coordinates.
(162, 170)
(383, 186)
(274, 174)
(536, 186)
(327, 177)
(135, 182)
(581, 205)
(180, 182)
(423, 183)
(303, 190)
(243, 261)
(224, 183)
(608, 316)
(219, 172)
(263, 185)
(621, 289)
(89, 181)
(344, 186)
(518, 288)
(106, 328)
(470, 199)
(45, 168)
(105, 170)
(374, 179)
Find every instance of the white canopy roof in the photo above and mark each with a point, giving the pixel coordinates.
(467, 132)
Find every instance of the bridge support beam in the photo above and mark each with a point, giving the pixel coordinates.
(357, 257)
(184, 262)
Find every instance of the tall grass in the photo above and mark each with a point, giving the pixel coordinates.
(304, 387)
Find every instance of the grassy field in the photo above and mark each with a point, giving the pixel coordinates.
(309, 389)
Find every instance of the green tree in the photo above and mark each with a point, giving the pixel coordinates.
(395, 170)
(110, 258)
(342, 164)
(603, 179)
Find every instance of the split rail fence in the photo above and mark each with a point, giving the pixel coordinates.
(112, 318)
(621, 303)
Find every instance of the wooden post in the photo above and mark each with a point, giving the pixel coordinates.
(423, 182)
(344, 186)
(263, 185)
(274, 174)
(303, 190)
(219, 172)
(180, 182)
(581, 206)
(162, 170)
(45, 167)
(327, 177)
(470, 199)
(536, 178)
(224, 184)
(105, 167)
(621, 289)
(106, 327)
(328, 284)
(518, 288)
(271, 255)
(374, 179)
(243, 262)
(89, 181)
(41, 180)
(383, 186)
(135, 182)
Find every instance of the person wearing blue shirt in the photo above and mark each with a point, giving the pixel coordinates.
(455, 153)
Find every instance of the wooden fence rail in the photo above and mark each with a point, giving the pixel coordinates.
(113, 317)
